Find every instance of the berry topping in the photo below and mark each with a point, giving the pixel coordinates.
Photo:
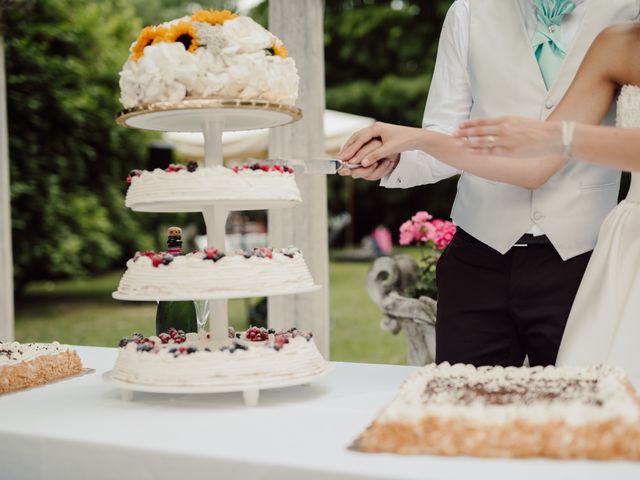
(192, 166)
(156, 260)
(174, 167)
(255, 334)
(133, 173)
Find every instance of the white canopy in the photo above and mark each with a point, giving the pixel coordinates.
(338, 126)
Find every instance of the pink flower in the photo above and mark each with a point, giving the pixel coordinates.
(426, 232)
(382, 237)
(422, 229)
(407, 233)
(421, 217)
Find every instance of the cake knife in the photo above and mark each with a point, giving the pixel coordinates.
(326, 166)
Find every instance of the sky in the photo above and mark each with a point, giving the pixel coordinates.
(246, 5)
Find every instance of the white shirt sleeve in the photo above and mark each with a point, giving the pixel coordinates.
(448, 104)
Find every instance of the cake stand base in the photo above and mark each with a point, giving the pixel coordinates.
(250, 394)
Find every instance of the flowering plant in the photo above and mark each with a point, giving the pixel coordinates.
(432, 237)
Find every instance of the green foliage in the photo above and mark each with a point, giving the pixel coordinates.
(379, 58)
(153, 12)
(68, 157)
(425, 284)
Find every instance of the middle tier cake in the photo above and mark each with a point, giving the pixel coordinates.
(188, 189)
(214, 274)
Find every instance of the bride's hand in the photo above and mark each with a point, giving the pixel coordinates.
(511, 136)
(391, 141)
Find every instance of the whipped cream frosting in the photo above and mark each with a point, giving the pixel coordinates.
(575, 395)
(191, 276)
(210, 184)
(233, 61)
(259, 362)
(12, 353)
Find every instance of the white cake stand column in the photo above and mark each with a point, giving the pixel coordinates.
(215, 219)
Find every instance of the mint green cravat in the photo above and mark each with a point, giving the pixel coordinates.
(546, 38)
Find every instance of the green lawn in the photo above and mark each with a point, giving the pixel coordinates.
(83, 312)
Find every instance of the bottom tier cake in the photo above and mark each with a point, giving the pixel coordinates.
(254, 356)
(24, 365)
(569, 412)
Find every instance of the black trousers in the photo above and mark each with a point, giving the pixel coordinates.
(494, 309)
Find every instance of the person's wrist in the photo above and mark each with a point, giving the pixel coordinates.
(555, 137)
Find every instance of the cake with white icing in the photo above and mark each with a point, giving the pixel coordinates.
(213, 274)
(252, 357)
(564, 412)
(210, 54)
(189, 188)
(24, 365)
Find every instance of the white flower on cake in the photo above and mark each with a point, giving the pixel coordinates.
(165, 73)
(244, 35)
(209, 54)
(211, 77)
(211, 36)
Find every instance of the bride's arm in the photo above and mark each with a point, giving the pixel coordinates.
(587, 101)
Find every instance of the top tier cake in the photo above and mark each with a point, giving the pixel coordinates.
(210, 54)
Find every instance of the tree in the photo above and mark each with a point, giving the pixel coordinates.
(68, 157)
(379, 57)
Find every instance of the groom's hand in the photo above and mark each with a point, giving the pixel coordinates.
(376, 171)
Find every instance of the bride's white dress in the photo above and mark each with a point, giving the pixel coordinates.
(604, 324)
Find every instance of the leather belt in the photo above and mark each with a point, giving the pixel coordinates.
(526, 240)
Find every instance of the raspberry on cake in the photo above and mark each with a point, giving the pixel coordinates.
(24, 365)
(567, 412)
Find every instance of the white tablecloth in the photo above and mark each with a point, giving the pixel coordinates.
(81, 428)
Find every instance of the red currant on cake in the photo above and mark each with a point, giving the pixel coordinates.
(156, 260)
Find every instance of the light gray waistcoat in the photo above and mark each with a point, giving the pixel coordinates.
(506, 80)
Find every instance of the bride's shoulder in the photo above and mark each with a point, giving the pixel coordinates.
(624, 40)
(624, 34)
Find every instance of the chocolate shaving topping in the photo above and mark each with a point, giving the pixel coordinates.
(505, 391)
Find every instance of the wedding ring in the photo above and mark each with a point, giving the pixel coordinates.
(491, 142)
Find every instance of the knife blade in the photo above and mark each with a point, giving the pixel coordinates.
(321, 166)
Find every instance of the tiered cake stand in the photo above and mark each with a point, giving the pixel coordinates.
(212, 117)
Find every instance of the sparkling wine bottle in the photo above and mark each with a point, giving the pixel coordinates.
(179, 315)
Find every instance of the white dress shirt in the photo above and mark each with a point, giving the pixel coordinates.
(450, 95)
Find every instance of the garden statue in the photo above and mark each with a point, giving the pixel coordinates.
(405, 290)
